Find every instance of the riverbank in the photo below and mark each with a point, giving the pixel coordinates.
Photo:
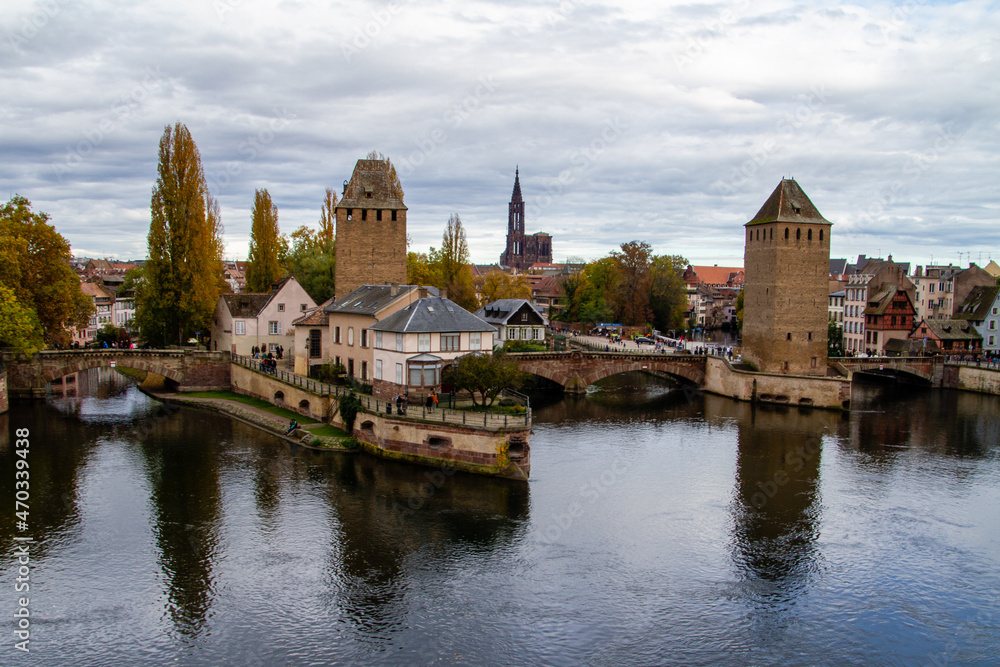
(316, 435)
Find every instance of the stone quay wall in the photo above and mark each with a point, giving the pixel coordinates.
(972, 378)
(803, 390)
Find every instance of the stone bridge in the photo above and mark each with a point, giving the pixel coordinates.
(926, 370)
(575, 370)
(191, 370)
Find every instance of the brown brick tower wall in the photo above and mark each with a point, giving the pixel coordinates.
(371, 229)
(787, 261)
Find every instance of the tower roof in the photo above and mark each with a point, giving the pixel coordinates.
(373, 184)
(516, 196)
(788, 203)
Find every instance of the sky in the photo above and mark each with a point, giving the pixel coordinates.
(661, 122)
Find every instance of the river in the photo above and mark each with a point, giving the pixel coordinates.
(659, 527)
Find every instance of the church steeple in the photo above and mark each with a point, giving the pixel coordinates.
(516, 196)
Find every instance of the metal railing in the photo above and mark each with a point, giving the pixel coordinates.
(441, 414)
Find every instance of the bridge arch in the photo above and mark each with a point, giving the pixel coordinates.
(71, 367)
(574, 371)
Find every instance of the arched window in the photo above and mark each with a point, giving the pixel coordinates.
(809, 235)
(798, 234)
(821, 235)
(786, 233)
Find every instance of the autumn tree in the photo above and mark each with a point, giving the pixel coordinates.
(312, 261)
(34, 266)
(267, 248)
(484, 374)
(183, 276)
(501, 285)
(630, 298)
(454, 262)
(668, 292)
(423, 269)
(20, 330)
(328, 218)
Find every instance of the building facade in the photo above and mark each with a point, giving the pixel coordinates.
(414, 345)
(523, 250)
(785, 302)
(514, 319)
(982, 309)
(371, 228)
(260, 319)
(861, 286)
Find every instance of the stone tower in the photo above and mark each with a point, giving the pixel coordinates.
(787, 262)
(371, 229)
(523, 251)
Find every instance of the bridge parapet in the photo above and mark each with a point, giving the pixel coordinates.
(575, 370)
(191, 369)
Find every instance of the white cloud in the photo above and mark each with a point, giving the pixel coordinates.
(714, 102)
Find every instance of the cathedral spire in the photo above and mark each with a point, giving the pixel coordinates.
(516, 196)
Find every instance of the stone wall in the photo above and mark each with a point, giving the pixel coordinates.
(504, 453)
(786, 297)
(721, 378)
(282, 394)
(575, 370)
(971, 378)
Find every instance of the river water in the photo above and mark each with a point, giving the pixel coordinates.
(658, 528)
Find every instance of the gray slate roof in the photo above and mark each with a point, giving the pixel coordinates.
(432, 314)
(976, 306)
(369, 299)
(499, 311)
(788, 203)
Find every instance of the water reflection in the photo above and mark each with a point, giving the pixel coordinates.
(776, 505)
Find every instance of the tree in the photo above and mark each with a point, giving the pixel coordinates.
(267, 248)
(34, 265)
(183, 277)
(421, 269)
(501, 285)
(312, 261)
(20, 330)
(835, 340)
(630, 298)
(328, 219)
(668, 292)
(484, 374)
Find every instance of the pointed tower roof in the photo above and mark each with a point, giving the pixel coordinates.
(788, 203)
(516, 197)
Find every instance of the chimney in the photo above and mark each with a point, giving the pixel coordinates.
(443, 292)
(393, 289)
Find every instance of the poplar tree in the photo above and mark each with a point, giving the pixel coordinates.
(183, 277)
(454, 261)
(327, 218)
(266, 247)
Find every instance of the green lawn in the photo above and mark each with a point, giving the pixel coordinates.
(252, 402)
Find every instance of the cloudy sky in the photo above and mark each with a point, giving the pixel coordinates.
(664, 122)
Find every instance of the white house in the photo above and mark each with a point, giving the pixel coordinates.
(514, 319)
(414, 345)
(243, 321)
(982, 309)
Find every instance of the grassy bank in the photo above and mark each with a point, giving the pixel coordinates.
(254, 403)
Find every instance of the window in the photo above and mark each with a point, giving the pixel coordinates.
(930, 288)
(821, 235)
(272, 328)
(378, 215)
(315, 346)
(364, 370)
(336, 336)
(788, 336)
(786, 233)
(399, 373)
(364, 214)
(423, 342)
(281, 307)
(378, 339)
(378, 369)
(399, 348)
(798, 234)
(394, 216)
(364, 338)
(475, 341)
(303, 306)
(349, 213)
(809, 235)
(239, 328)
(993, 325)
(992, 340)
(524, 317)
(450, 342)
(536, 333)
(350, 336)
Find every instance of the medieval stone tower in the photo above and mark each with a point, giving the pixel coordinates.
(523, 251)
(371, 228)
(787, 262)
